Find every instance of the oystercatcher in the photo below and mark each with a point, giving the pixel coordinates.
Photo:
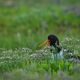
(52, 41)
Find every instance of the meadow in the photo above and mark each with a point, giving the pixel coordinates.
(23, 27)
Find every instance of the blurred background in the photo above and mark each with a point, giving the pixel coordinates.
(26, 23)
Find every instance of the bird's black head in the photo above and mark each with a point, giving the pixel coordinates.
(54, 41)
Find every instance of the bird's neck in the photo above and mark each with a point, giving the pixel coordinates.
(58, 48)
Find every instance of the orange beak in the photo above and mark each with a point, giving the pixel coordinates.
(44, 43)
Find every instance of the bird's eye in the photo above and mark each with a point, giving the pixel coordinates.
(48, 41)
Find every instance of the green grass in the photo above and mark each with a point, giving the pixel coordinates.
(26, 25)
(18, 63)
(23, 28)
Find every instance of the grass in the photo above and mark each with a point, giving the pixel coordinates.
(23, 28)
(19, 26)
(20, 63)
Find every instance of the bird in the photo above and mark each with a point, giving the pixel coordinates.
(52, 41)
(55, 47)
(60, 53)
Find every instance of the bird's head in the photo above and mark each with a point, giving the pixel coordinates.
(52, 41)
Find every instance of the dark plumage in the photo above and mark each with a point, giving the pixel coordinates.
(54, 41)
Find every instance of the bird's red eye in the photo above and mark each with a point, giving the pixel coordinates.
(48, 42)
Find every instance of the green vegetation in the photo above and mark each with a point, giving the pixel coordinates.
(24, 27)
